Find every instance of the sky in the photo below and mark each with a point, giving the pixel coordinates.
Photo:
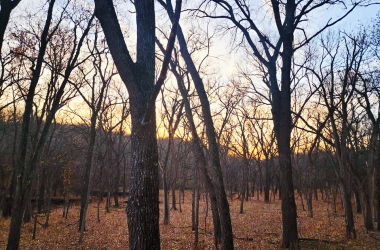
(222, 58)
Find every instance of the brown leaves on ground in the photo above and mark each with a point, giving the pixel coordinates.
(259, 227)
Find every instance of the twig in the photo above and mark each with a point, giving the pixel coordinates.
(72, 223)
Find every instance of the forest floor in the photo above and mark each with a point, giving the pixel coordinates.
(259, 227)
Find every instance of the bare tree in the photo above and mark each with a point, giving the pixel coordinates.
(216, 170)
(271, 51)
(25, 172)
(138, 77)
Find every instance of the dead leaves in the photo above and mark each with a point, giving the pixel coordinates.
(259, 227)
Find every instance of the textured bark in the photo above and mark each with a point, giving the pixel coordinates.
(143, 202)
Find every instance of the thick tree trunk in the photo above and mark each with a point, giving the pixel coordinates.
(28, 211)
(348, 211)
(14, 235)
(366, 210)
(282, 118)
(143, 209)
(6, 8)
(139, 78)
(288, 205)
(7, 204)
(377, 193)
(357, 201)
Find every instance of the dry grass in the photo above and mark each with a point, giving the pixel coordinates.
(259, 227)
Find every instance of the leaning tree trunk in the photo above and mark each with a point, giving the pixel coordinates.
(201, 157)
(224, 210)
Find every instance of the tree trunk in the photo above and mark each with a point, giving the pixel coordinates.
(42, 191)
(348, 212)
(166, 199)
(377, 193)
(357, 201)
(266, 181)
(310, 203)
(108, 201)
(301, 196)
(281, 112)
(197, 214)
(6, 8)
(28, 211)
(193, 200)
(288, 205)
(179, 200)
(124, 180)
(224, 210)
(173, 197)
(86, 188)
(139, 78)
(334, 197)
(50, 192)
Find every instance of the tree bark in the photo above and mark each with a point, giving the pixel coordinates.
(139, 77)
(142, 208)
(6, 8)
(281, 112)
